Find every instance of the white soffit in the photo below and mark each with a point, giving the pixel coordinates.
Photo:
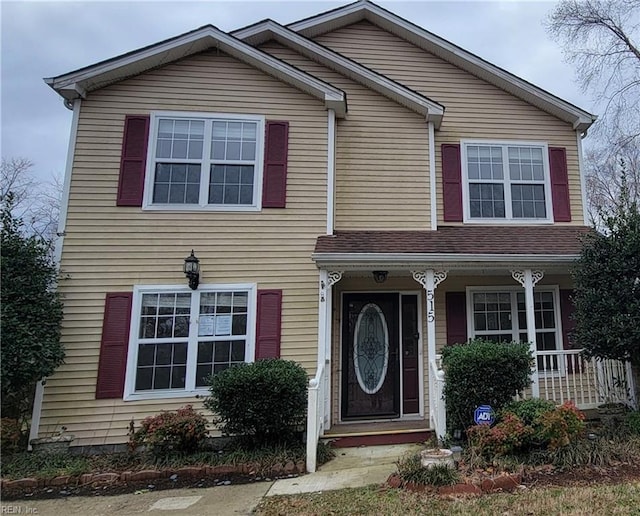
(80, 82)
(268, 29)
(365, 10)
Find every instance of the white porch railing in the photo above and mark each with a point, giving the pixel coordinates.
(565, 375)
(317, 398)
(438, 410)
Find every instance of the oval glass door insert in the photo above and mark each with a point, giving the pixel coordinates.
(371, 348)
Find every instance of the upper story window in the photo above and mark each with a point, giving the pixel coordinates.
(506, 182)
(205, 161)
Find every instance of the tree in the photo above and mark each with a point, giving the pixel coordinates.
(35, 202)
(607, 285)
(30, 313)
(601, 38)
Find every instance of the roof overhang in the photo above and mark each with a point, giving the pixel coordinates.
(373, 261)
(77, 84)
(270, 30)
(365, 10)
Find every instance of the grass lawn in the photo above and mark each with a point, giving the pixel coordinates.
(591, 500)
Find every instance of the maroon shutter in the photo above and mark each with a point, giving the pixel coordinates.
(133, 160)
(268, 324)
(113, 348)
(568, 324)
(559, 184)
(451, 182)
(456, 306)
(276, 148)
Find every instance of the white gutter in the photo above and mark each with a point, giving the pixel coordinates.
(432, 177)
(583, 180)
(331, 168)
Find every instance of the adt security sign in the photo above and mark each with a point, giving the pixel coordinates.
(483, 415)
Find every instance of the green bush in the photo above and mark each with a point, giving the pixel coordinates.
(483, 373)
(410, 469)
(529, 410)
(632, 422)
(182, 431)
(265, 401)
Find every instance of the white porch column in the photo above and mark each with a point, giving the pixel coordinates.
(429, 280)
(325, 311)
(528, 279)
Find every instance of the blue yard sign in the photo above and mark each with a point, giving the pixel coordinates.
(484, 415)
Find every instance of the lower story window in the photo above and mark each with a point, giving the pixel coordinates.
(501, 316)
(181, 338)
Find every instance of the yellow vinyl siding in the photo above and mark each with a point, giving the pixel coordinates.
(382, 156)
(473, 107)
(111, 249)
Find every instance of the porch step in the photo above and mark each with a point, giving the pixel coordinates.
(373, 434)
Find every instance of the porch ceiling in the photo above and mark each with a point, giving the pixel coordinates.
(463, 247)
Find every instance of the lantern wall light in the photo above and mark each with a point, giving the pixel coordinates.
(192, 270)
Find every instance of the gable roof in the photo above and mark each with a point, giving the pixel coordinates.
(365, 10)
(78, 83)
(268, 29)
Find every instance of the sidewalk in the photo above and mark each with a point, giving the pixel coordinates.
(352, 467)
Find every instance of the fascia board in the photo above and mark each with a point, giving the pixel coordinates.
(310, 27)
(390, 258)
(416, 102)
(207, 37)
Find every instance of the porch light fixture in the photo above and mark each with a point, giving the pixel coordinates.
(192, 270)
(380, 276)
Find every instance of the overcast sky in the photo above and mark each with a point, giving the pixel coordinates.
(45, 39)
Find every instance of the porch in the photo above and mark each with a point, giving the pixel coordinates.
(389, 301)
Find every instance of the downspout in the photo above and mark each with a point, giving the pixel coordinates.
(331, 168)
(432, 177)
(62, 223)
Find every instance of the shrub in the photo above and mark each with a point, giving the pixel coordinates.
(11, 435)
(480, 373)
(529, 410)
(182, 430)
(632, 422)
(506, 438)
(560, 426)
(410, 469)
(265, 401)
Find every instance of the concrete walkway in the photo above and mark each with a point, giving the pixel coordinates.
(352, 467)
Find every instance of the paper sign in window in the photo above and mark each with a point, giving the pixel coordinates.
(206, 325)
(223, 325)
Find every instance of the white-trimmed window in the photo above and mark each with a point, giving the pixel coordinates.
(204, 161)
(499, 314)
(506, 181)
(179, 337)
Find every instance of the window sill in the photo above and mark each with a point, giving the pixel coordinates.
(165, 394)
(509, 222)
(197, 207)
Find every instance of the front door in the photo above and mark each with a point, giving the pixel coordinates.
(370, 358)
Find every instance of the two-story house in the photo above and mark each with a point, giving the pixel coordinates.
(359, 193)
